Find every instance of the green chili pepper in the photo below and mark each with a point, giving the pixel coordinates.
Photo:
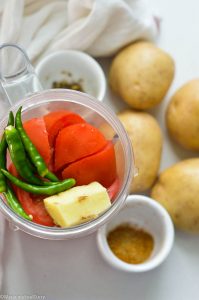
(18, 155)
(30, 148)
(7, 191)
(52, 177)
(14, 204)
(48, 183)
(41, 190)
(3, 149)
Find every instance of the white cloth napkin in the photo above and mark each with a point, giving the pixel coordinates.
(99, 27)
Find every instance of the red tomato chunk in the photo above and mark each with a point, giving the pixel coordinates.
(36, 130)
(57, 120)
(100, 167)
(113, 189)
(32, 204)
(75, 142)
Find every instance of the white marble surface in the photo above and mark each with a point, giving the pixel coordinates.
(74, 269)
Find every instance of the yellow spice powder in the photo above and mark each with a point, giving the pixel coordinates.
(130, 244)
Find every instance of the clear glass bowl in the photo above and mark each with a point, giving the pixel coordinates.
(101, 117)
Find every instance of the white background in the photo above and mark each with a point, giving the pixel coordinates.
(74, 270)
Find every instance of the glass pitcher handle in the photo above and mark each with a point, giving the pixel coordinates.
(17, 76)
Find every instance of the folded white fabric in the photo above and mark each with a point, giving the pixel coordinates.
(99, 27)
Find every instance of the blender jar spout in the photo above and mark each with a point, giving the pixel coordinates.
(17, 76)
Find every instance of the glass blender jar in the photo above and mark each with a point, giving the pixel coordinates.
(22, 88)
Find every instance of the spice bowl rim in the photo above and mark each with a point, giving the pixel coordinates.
(90, 62)
(155, 261)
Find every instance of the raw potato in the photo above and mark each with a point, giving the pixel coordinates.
(177, 189)
(146, 137)
(141, 74)
(182, 115)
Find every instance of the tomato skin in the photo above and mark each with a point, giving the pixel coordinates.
(55, 121)
(100, 167)
(36, 130)
(51, 118)
(34, 207)
(113, 189)
(32, 204)
(75, 142)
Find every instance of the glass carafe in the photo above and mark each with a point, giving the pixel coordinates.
(23, 88)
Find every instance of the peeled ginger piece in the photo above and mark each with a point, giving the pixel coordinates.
(78, 204)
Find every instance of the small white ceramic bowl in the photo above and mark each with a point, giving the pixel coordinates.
(72, 66)
(147, 214)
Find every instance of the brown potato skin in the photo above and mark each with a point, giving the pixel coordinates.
(177, 189)
(146, 138)
(141, 75)
(182, 116)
